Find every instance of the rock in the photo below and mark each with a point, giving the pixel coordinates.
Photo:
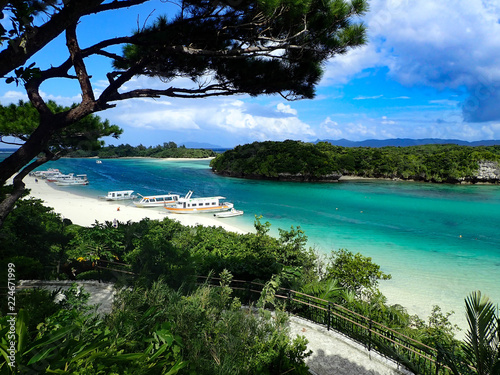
(489, 171)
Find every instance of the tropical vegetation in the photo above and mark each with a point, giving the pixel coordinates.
(164, 320)
(289, 159)
(167, 150)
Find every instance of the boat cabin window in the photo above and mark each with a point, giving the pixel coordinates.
(207, 204)
(194, 204)
(159, 199)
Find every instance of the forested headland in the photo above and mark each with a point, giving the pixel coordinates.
(300, 161)
(167, 150)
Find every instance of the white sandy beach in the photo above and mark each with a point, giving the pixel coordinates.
(86, 210)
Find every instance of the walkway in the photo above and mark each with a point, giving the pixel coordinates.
(333, 353)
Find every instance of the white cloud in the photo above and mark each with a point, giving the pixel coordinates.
(235, 119)
(238, 119)
(13, 97)
(341, 69)
(160, 120)
(285, 108)
(368, 97)
(385, 121)
(445, 102)
(330, 129)
(443, 44)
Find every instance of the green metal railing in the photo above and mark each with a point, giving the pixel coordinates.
(413, 355)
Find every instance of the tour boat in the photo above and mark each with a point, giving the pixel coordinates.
(119, 195)
(44, 174)
(232, 212)
(157, 200)
(188, 205)
(79, 179)
(59, 177)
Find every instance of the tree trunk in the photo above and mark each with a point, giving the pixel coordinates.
(7, 205)
(36, 144)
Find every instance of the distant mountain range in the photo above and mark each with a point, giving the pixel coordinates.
(402, 142)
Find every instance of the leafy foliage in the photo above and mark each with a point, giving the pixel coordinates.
(33, 234)
(73, 340)
(354, 272)
(21, 120)
(168, 248)
(438, 163)
(218, 336)
(168, 150)
(235, 44)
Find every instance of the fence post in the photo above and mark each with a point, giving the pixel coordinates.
(329, 314)
(438, 362)
(248, 287)
(370, 335)
(289, 300)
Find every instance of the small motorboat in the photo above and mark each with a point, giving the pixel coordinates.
(232, 212)
(118, 195)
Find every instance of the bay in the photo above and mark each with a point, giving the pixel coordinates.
(439, 242)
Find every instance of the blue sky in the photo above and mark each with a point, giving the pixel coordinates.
(431, 69)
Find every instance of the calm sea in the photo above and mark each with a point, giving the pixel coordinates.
(439, 242)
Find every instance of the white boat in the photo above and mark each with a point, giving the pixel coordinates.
(188, 205)
(157, 200)
(98, 162)
(44, 174)
(53, 177)
(118, 195)
(79, 179)
(232, 212)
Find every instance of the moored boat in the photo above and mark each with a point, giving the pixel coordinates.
(79, 179)
(232, 212)
(189, 205)
(59, 177)
(157, 200)
(118, 195)
(44, 174)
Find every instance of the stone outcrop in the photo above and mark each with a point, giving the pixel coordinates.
(489, 171)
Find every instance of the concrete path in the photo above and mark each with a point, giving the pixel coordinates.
(333, 353)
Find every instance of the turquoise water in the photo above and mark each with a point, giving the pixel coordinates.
(439, 242)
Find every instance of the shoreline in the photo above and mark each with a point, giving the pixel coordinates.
(144, 157)
(85, 211)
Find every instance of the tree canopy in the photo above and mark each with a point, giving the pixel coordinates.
(225, 48)
(286, 160)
